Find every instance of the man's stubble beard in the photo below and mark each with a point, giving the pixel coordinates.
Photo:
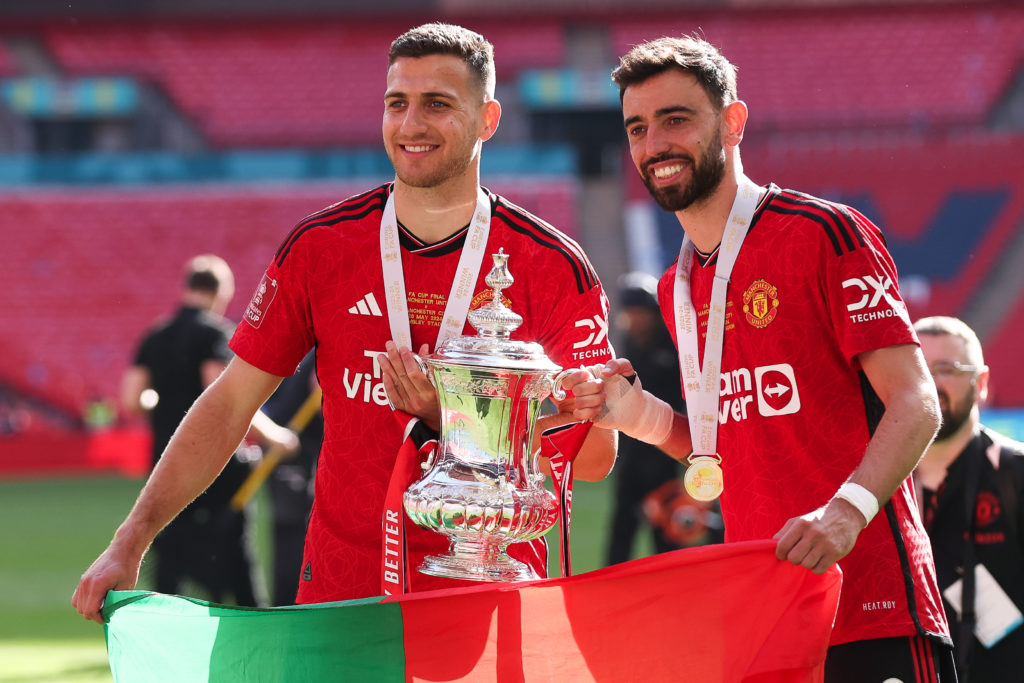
(704, 178)
(450, 168)
(953, 420)
(434, 178)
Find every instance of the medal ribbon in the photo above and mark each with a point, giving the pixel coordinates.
(457, 306)
(394, 572)
(701, 383)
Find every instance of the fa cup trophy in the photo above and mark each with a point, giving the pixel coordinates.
(483, 489)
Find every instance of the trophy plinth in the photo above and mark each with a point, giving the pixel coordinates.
(484, 490)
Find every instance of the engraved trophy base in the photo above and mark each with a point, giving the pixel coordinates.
(477, 561)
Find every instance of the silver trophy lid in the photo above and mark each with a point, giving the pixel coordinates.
(492, 346)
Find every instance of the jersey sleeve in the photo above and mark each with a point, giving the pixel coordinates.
(276, 331)
(578, 330)
(862, 290)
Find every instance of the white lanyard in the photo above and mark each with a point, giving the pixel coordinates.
(462, 286)
(701, 384)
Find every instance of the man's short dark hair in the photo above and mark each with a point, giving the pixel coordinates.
(448, 39)
(208, 273)
(690, 54)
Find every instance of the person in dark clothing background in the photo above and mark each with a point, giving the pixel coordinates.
(291, 482)
(648, 483)
(970, 483)
(175, 361)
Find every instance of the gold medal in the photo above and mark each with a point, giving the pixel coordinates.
(703, 478)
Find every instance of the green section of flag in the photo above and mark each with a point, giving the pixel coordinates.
(155, 637)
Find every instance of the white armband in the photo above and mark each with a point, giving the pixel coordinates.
(860, 498)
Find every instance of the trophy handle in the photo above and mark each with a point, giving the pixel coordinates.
(557, 392)
(431, 457)
(425, 369)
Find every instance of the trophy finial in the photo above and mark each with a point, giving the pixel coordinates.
(496, 319)
(499, 278)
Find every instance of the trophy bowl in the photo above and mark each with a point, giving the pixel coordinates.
(483, 489)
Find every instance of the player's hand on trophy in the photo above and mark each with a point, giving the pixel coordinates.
(612, 396)
(408, 388)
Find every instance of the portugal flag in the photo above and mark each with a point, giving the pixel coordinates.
(725, 613)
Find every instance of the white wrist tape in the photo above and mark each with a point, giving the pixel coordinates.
(860, 498)
(635, 412)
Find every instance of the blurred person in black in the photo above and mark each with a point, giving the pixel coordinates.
(291, 482)
(970, 482)
(642, 469)
(176, 360)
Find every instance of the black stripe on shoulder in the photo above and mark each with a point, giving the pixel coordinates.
(353, 208)
(838, 215)
(523, 222)
(774, 208)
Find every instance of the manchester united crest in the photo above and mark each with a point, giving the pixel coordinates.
(484, 297)
(760, 303)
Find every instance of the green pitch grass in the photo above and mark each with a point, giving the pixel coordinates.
(51, 530)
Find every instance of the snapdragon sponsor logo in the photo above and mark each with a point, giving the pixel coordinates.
(366, 385)
(872, 297)
(770, 389)
(592, 346)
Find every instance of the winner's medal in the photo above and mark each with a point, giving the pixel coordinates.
(700, 380)
(703, 478)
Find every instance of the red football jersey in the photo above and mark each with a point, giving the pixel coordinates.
(325, 288)
(814, 286)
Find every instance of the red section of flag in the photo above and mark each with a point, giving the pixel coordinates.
(722, 614)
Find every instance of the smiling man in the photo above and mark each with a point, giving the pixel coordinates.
(808, 401)
(363, 282)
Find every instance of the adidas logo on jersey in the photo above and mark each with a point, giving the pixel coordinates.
(366, 306)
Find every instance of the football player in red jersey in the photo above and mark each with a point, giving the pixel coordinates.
(808, 400)
(330, 287)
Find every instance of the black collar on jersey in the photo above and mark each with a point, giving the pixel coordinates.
(704, 257)
(704, 260)
(415, 245)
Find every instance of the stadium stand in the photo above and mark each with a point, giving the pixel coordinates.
(1002, 354)
(300, 83)
(915, 67)
(274, 84)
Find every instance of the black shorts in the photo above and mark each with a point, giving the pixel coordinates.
(907, 659)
